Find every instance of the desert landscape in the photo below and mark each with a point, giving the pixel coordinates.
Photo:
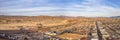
(59, 19)
(59, 28)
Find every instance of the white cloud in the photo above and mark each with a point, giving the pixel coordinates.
(29, 9)
(86, 8)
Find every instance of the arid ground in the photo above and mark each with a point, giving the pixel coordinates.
(65, 26)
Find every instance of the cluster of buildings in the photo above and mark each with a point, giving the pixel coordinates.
(64, 32)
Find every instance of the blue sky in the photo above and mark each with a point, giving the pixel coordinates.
(89, 8)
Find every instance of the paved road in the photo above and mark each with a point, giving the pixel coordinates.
(98, 32)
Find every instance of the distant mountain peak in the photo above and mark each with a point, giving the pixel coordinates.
(115, 17)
